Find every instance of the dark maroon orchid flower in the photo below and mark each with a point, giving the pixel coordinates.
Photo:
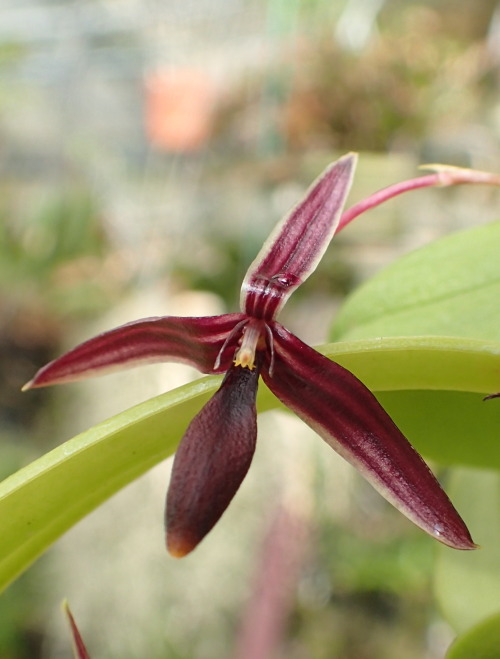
(217, 448)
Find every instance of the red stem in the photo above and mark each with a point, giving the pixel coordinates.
(443, 176)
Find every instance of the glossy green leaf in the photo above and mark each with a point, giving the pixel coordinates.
(45, 498)
(421, 362)
(448, 288)
(481, 642)
(449, 428)
(41, 501)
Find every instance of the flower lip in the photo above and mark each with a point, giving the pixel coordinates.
(252, 339)
(212, 459)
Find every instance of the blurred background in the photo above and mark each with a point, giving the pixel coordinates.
(146, 150)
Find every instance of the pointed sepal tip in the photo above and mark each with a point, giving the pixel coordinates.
(179, 546)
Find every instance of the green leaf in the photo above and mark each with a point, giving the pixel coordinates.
(449, 428)
(448, 288)
(421, 362)
(45, 498)
(42, 500)
(481, 642)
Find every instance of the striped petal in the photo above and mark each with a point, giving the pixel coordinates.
(295, 247)
(348, 417)
(194, 341)
(212, 460)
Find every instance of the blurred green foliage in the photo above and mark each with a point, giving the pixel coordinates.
(63, 236)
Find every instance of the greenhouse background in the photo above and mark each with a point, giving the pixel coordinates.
(146, 151)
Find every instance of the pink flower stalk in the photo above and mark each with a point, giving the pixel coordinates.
(79, 649)
(217, 448)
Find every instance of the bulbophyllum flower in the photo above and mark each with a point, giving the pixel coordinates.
(217, 448)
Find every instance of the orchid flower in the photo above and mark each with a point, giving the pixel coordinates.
(218, 445)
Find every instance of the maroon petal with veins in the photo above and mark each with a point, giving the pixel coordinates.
(194, 341)
(295, 247)
(212, 460)
(349, 418)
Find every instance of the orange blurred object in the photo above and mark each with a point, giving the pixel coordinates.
(179, 109)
